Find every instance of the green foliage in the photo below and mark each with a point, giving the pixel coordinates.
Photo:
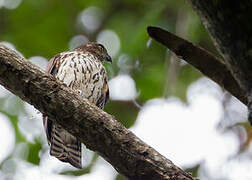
(33, 155)
(120, 177)
(121, 109)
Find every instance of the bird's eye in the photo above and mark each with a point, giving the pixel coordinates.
(101, 47)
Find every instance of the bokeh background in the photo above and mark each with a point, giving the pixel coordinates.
(162, 99)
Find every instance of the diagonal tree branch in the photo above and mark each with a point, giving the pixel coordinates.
(98, 130)
(201, 59)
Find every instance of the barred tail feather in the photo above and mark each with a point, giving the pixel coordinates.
(65, 146)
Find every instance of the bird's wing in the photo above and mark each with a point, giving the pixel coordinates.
(63, 145)
(53, 64)
(103, 99)
(51, 68)
(106, 91)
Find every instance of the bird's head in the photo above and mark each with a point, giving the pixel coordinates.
(96, 49)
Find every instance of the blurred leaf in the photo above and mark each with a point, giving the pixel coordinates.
(131, 27)
(38, 28)
(33, 155)
(120, 177)
(124, 111)
(14, 120)
(194, 170)
(150, 76)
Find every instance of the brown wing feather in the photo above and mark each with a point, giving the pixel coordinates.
(104, 97)
(106, 90)
(51, 67)
(52, 64)
(63, 145)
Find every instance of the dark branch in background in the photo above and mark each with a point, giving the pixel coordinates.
(201, 59)
(98, 130)
(229, 24)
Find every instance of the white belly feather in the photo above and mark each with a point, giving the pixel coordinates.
(83, 72)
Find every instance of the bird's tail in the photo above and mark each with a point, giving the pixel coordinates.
(65, 146)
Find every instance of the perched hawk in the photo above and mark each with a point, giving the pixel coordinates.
(83, 71)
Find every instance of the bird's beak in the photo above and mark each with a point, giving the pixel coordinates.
(108, 59)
